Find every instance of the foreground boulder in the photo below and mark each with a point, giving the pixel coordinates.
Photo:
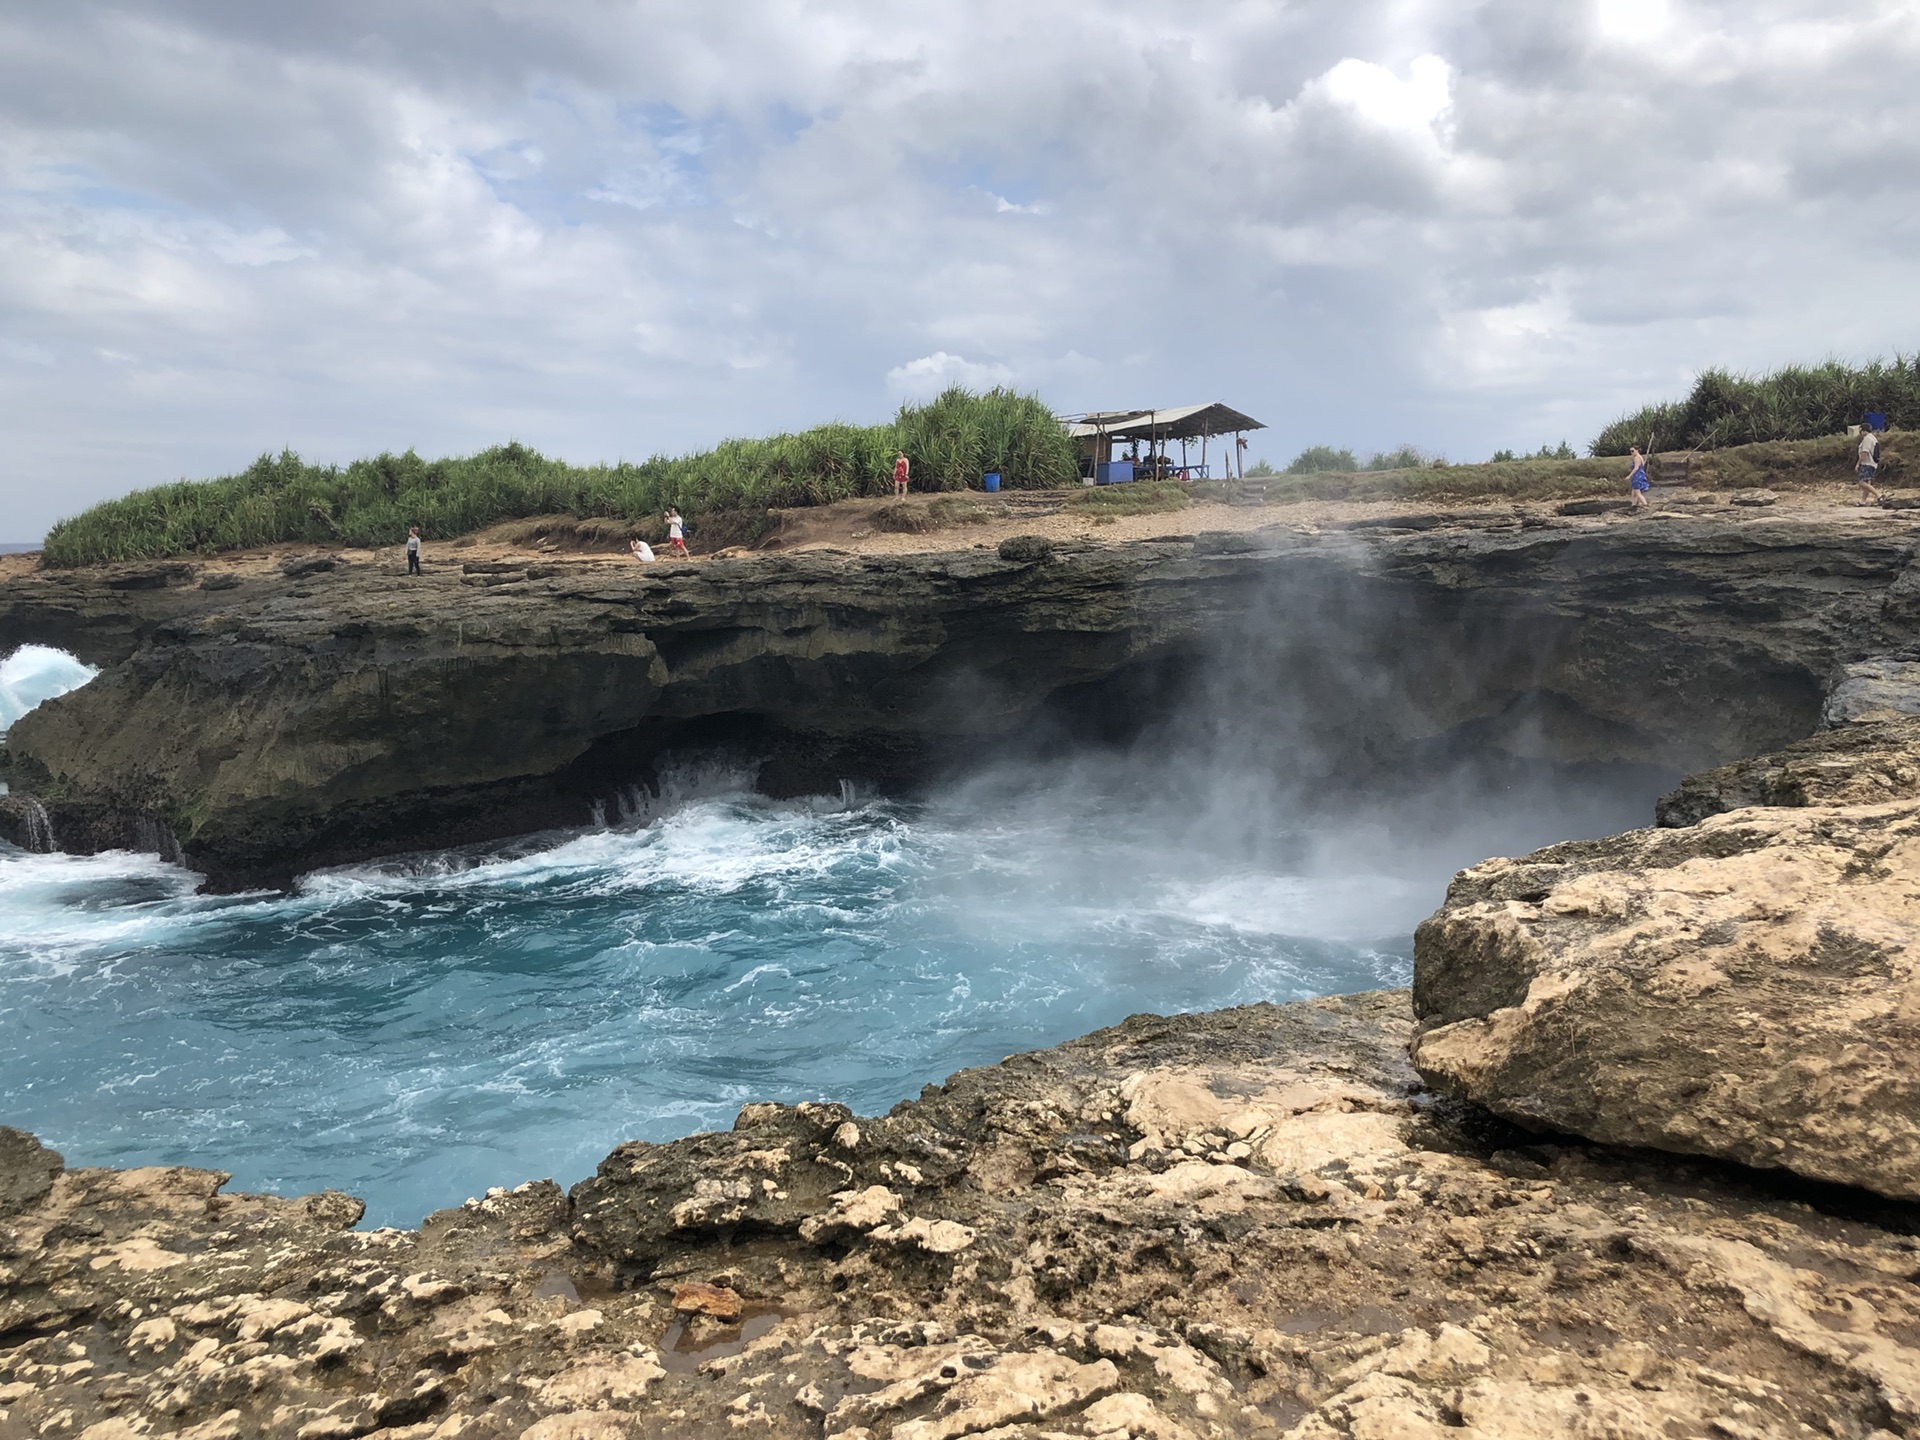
(1742, 987)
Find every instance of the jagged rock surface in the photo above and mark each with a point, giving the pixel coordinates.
(1744, 987)
(270, 722)
(1858, 764)
(1882, 687)
(1246, 1223)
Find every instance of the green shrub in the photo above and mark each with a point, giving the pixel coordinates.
(1319, 459)
(1407, 457)
(278, 500)
(1562, 451)
(1796, 403)
(1135, 497)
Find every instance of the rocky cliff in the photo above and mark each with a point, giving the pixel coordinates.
(1248, 1223)
(1740, 983)
(1256, 1222)
(277, 719)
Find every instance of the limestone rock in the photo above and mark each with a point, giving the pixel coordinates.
(1402, 1277)
(1882, 687)
(27, 1170)
(1861, 763)
(716, 1301)
(1744, 988)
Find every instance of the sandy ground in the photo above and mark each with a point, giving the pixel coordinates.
(849, 527)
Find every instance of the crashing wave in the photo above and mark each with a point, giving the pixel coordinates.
(34, 674)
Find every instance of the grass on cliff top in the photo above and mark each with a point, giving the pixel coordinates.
(1779, 465)
(951, 442)
(1799, 402)
(1138, 497)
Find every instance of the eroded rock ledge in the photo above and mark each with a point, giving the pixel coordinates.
(1742, 987)
(1251, 1222)
(269, 720)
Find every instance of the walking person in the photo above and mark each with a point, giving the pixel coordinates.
(1868, 466)
(900, 475)
(1638, 480)
(676, 533)
(413, 550)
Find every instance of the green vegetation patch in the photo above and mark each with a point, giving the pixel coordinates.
(1797, 403)
(1504, 480)
(279, 500)
(1134, 497)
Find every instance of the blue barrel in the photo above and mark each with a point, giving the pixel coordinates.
(992, 482)
(1876, 420)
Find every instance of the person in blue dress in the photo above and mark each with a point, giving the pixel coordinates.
(1638, 480)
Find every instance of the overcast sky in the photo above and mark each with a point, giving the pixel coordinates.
(610, 229)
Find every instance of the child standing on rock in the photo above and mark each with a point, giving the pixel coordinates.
(899, 474)
(413, 550)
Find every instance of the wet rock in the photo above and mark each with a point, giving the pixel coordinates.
(1742, 988)
(713, 1300)
(27, 1170)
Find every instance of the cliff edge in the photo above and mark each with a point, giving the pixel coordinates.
(269, 719)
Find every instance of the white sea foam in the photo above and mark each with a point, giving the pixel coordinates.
(34, 674)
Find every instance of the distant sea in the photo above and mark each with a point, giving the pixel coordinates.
(6, 549)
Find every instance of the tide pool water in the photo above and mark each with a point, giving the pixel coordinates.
(414, 1033)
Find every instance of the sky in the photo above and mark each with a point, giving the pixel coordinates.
(610, 230)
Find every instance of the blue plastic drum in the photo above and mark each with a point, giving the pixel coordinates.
(992, 482)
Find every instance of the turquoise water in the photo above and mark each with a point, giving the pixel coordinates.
(416, 1032)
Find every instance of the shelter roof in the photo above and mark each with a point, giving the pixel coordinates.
(1177, 422)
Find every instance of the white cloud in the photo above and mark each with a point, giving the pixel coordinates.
(1635, 21)
(930, 374)
(1377, 95)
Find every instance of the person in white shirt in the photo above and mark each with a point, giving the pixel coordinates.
(641, 550)
(1868, 466)
(676, 532)
(413, 550)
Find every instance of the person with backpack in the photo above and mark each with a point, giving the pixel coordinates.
(676, 533)
(1868, 466)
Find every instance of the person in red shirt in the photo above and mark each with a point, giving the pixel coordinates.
(899, 474)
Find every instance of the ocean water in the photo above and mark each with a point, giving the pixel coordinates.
(414, 1033)
(418, 1030)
